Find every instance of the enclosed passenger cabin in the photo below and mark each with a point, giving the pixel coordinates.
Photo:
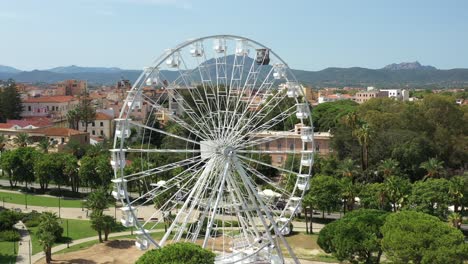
(117, 159)
(302, 110)
(197, 49)
(307, 134)
(241, 47)
(151, 75)
(141, 241)
(307, 159)
(293, 89)
(294, 204)
(263, 57)
(173, 61)
(134, 100)
(120, 185)
(219, 45)
(127, 219)
(279, 72)
(122, 129)
(303, 182)
(284, 226)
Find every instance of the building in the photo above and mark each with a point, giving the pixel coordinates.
(102, 126)
(72, 87)
(292, 141)
(54, 107)
(59, 136)
(399, 94)
(364, 96)
(333, 98)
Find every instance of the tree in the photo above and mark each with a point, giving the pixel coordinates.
(10, 102)
(415, 237)
(44, 145)
(86, 111)
(324, 193)
(178, 253)
(363, 135)
(97, 201)
(48, 231)
(70, 171)
(349, 192)
(389, 167)
(44, 168)
(372, 196)
(396, 190)
(22, 140)
(430, 197)
(356, 237)
(7, 162)
(23, 164)
(457, 192)
(347, 168)
(433, 167)
(73, 118)
(326, 116)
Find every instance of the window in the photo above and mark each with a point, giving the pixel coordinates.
(63, 140)
(93, 132)
(93, 124)
(102, 124)
(102, 132)
(279, 146)
(291, 146)
(280, 159)
(317, 148)
(29, 108)
(267, 146)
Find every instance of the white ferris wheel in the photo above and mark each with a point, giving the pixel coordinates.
(214, 145)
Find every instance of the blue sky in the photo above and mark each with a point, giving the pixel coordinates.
(308, 34)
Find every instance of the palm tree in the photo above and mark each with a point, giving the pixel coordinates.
(347, 168)
(456, 189)
(3, 141)
(396, 190)
(389, 167)
(433, 167)
(22, 140)
(73, 118)
(97, 201)
(44, 145)
(455, 219)
(363, 135)
(48, 231)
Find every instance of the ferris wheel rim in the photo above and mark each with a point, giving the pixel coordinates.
(178, 48)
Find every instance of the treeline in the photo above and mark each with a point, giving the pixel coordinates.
(76, 167)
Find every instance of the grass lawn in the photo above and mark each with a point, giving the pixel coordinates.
(19, 198)
(77, 229)
(157, 235)
(7, 253)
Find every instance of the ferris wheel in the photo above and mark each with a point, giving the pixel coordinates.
(214, 145)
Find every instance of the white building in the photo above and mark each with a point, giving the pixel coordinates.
(399, 94)
(101, 127)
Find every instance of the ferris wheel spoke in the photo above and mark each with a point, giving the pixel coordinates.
(266, 164)
(276, 151)
(257, 202)
(251, 189)
(176, 119)
(162, 168)
(135, 150)
(164, 132)
(265, 179)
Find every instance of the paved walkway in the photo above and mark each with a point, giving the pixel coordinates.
(24, 247)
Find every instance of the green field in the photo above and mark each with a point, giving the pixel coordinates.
(7, 255)
(77, 229)
(157, 235)
(37, 200)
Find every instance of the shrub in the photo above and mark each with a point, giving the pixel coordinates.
(178, 253)
(10, 235)
(8, 219)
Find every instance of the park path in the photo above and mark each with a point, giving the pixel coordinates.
(24, 247)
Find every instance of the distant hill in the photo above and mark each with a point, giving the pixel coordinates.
(8, 69)
(408, 66)
(407, 74)
(78, 69)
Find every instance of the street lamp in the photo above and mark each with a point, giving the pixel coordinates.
(68, 238)
(26, 200)
(3, 199)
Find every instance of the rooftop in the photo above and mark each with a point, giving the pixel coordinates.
(50, 99)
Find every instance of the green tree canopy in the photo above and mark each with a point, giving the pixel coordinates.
(354, 238)
(415, 237)
(324, 193)
(178, 253)
(431, 197)
(48, 231)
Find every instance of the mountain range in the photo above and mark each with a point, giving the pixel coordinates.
(406, 74)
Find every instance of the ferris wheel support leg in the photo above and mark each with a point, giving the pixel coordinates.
(252, 191)
(218, 198)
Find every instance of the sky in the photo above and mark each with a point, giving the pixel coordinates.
(307, 34)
